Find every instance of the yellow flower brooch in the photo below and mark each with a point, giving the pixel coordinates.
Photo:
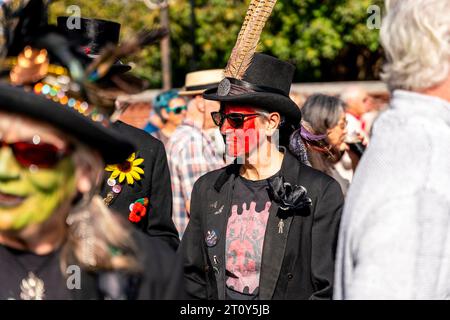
(128, 169)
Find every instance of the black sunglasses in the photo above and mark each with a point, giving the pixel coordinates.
(236, 120)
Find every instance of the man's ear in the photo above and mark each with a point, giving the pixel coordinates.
(272, 123)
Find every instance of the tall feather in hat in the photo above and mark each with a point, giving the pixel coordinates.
(257, 15)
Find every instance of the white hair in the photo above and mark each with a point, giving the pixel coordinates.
(415, 35)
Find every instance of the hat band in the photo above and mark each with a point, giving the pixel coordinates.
(255, 87)
(202, 87)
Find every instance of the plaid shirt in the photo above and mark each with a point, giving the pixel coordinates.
(191, 154)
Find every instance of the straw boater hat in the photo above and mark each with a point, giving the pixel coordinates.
(199, 81)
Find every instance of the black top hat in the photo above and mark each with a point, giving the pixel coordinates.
(31, 84)
(266, 84)
(93, 35)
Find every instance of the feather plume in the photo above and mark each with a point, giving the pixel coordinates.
(110, 54)
(241, 57)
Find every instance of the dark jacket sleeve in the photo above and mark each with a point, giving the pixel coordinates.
(160, 221)
(325, 230)
(192, 249)
(162, 270)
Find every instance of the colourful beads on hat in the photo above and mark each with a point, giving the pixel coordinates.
(38, 88)
(59, 94)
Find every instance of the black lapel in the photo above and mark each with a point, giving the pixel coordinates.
(274, 240)
(217, 213)
(230, 170)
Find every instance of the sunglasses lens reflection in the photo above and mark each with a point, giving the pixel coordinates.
(41, 155)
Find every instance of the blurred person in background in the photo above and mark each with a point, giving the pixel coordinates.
(394, 240)
(146, 118)
(357, 102)
(378, 105)
(191, 151)
(171, 108)
(156, 121)
(324, 129)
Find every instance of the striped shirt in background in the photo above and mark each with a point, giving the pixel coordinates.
(191, 154)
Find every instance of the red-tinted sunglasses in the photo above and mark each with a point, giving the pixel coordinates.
(42, 155)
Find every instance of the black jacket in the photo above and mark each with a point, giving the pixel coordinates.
(296, 264)
(155, 185)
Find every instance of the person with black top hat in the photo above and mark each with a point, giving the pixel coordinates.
(58, 240)
(264, 227)
(138, 188)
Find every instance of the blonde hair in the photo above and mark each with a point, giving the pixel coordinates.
(415, 35)
(96, 238)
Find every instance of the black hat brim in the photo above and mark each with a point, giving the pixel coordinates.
(110, 144)
(268, 101)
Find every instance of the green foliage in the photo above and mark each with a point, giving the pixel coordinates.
(326, 39)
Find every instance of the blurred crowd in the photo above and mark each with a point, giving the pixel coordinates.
(234, 186)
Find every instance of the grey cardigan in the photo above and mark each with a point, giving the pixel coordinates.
(394, 238)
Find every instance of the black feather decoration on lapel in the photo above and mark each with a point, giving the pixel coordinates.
(288, 197)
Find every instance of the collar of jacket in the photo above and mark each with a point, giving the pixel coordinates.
(289, 170)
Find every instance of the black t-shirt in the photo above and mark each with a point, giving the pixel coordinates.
(245, 238)
(15, 266)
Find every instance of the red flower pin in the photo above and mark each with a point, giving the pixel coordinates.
(138, 210)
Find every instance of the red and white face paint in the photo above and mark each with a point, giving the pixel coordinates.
(240, 142)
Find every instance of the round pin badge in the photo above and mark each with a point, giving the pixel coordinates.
(211, 238)
(112, 182)
(117, 188)
(224, 87)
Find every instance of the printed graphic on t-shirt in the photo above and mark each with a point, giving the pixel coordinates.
(245, 239)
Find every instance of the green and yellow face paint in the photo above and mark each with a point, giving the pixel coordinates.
(35, 180)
